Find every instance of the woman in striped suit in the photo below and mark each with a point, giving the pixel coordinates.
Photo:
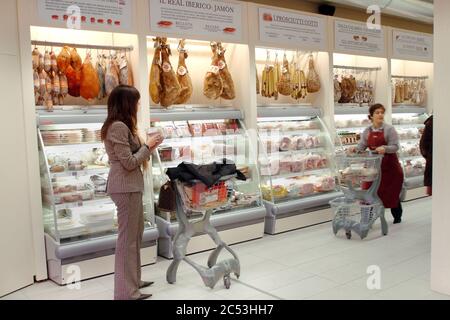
(127, 153)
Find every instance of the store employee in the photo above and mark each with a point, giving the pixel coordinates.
(383, 138)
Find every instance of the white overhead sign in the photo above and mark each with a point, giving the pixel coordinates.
(210, 18)
(358, 38)
(113, 14)
(287, 27)
(408, 45)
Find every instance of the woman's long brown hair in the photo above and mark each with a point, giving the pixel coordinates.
(123, 106)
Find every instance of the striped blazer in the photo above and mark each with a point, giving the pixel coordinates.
(126, 154)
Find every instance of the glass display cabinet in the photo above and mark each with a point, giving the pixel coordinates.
(80, 219)
(296, 160)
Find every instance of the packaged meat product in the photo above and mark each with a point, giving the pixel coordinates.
(182, 129)
(57, 168)
(35, 59)
(169, 130)
(112, 76)
(101, 72)
(285, 144)
(155, 87)
(183, 75)
(213, 83)
(63, 59)
(185, 152)
(89, 83)
(170, 86)
(168, 153)
(210, 129)
(312, 161)
(306, 188)
(298, 163)
(53, 62)
(222, 127)
(285, 165)
(195, 129)
(228, 91)
(269, 168)
(75, 197)
(309, 142)
(284, 83)
(324, 184)
(298, 143)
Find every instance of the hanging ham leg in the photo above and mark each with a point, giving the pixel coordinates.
(89, 87)
(155, 87)
(170, 86)
(183, 76)
(213, 83)
(228, 84)
(112, 76)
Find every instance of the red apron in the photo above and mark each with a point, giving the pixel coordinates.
(391, 172)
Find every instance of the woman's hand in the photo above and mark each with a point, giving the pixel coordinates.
(154, 140)
(381, 150)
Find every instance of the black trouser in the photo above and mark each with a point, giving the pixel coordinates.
(397, 212)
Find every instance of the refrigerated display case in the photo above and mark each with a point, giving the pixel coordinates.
(80, 220)
(201, 136)
(410, 125)
(296, 160)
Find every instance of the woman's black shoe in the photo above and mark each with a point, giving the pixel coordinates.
(146, 284)
(398, 220)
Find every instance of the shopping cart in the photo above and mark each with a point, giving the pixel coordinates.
(191, 199)
(359, 179)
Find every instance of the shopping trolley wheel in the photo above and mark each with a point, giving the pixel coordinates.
(237, 275)
(348, 234)
(227, 281)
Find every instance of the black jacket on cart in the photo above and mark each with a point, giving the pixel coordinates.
(209, 174)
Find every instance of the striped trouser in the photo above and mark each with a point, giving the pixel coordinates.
(130, 213)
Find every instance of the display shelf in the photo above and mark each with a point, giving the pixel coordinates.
(208, 138)
(71, 146)
(95, 115)
(404, 108)
(196, 113)
(350, 109)
(274, 110)
(410, 157)
(299, 174)
(79, 173)
(409, 125)
(84, 203)
(294, 152)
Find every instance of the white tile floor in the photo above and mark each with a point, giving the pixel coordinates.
(304, 264)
